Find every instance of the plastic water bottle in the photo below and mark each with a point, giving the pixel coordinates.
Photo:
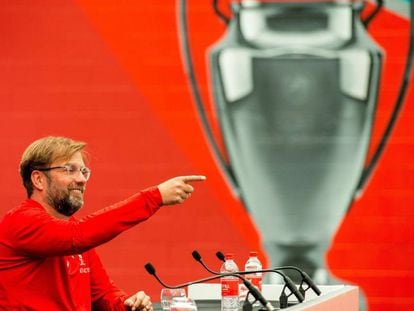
(229, 285)
(252, 264)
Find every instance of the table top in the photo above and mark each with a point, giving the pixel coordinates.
(207, 305)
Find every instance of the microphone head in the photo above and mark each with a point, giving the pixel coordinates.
(196, 255)
(310, 282)
(292, 287)
(150, 268)
(220, 256)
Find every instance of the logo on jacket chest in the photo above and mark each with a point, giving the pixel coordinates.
(76, 263)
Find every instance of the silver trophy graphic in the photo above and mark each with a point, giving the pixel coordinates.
(295, 87)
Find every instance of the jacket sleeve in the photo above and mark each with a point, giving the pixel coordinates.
(32, 231)
(104, 294)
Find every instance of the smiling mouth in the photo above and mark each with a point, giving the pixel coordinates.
(79, 191)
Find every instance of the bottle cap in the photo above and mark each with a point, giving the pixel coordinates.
(229, 256)
(253, 254)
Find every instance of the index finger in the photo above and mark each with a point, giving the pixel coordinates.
(191, 178)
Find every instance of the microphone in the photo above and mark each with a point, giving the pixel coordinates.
(305, 277)
(252, 289)
(288, 283)
(151, 270)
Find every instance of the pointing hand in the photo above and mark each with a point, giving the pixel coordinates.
(176, 190)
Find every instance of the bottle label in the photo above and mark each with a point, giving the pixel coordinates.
(256, 281)
(229, 287)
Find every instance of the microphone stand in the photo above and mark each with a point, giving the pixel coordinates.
(247, 305)
(151, 270)
(305, 277)
(283, 299)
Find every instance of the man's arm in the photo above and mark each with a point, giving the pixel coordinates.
(32, 231)
(104, 294)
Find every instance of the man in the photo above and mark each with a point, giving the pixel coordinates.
(47, 257)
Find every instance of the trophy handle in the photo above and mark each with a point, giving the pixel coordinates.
(373, 163)
(219, 13)
(371, 16)
(225, 168)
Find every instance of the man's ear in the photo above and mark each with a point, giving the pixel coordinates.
(38, 180)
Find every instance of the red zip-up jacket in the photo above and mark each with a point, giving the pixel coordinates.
(49, 264)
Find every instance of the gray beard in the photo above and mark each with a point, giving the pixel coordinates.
(61, 200)
(65, 205)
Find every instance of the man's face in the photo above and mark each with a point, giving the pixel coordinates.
(65, 190)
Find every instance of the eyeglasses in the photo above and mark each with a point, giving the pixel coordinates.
(69, 170)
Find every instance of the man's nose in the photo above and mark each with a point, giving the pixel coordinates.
(79, 177)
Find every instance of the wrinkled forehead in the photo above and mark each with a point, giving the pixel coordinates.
(75, 157)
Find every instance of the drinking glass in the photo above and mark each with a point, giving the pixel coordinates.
(167, 294)
(183, 304)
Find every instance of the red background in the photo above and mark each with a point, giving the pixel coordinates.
(110, 73)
